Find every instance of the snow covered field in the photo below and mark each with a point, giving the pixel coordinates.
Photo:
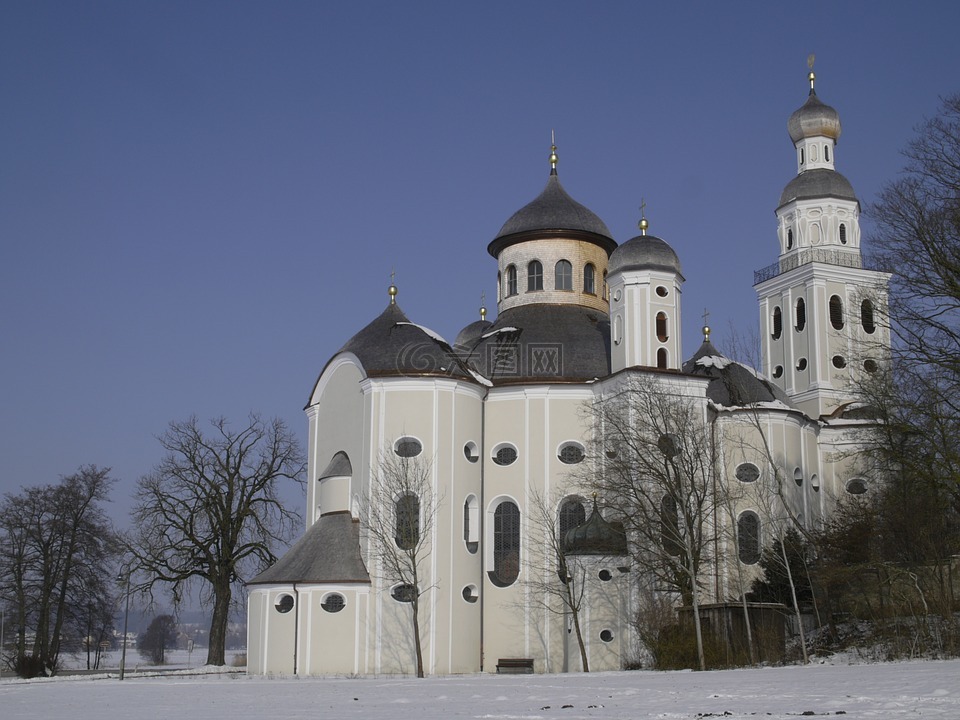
(929, 689)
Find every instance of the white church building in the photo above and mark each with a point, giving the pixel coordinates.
(499, 417)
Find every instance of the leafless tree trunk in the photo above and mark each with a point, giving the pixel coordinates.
(210, 512)
(399, 518)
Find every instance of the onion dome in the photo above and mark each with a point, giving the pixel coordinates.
(470, 335)
(596, 536)
(818, 183)
(732, 384)
(553, 212)
(644, 252)
(814, 119)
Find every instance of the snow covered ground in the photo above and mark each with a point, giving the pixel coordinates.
(929, 689)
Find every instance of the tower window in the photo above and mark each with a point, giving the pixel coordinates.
(839, 362)
(778, 371)
(506, 543)
(777, 323)
(826, 153)
(748, 537)
(836, 312)
(589, 279)
(790, 238)
(534, 276)
(866, 316)
(843, 234)
(563, 275)
(662, 327)
(662, 358)
(407, 514)
(511, 288)
(801, 156)
(802, 364)
(605, 285)
(801, 315)
(662, 291)
(870, 365)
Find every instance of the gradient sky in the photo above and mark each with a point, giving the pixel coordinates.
(200, 202)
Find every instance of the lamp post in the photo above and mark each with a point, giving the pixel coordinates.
(126, 615)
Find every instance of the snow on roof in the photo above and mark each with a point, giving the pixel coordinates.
(713, 361)
(480, 378)
(499, 330)
(427, 331)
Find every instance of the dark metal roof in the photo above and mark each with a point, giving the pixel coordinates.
(338, 466)
(596, 536)
(542, 342)
(817, 183)
(814, 119)
(552, 212)
(469, 336)
(645, 252)
(392, 345)
(732, 384)
(329, 552)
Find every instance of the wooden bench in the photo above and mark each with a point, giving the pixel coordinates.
(515, 665)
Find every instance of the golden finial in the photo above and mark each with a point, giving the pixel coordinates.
(643, 224)
(553, 152)
(812, 77)
(392, 290)
(706, 328)
(483, 306)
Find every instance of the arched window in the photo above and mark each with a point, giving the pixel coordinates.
(604, 284)
(801, 156)
(572, 515)
(777, 323)
(506, 543)
(826, 153)
(471, 523)
(866, 316)
(407, 517)
(563, 276)
(511, 288)
(662, 326)
(534, 276)
(801, 315)
(589, 279)
(748, 537)
(790, 232)
(836, 312)
(670, 526)
(499, 287)
(662, 358)
(843, 234)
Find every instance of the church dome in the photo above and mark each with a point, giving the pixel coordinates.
(471, 334)
(818, 183)
(596, 536)
(645, 252)
(814, 119)
(733, 384)
(551, 213)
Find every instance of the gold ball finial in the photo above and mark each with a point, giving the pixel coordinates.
(812, 76)
(392, 292)
(483, 313)
(706, 333)
(553, 157)
(643, 225)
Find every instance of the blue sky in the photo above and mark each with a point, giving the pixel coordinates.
(200, 202)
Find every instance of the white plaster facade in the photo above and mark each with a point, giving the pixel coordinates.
(500, 418)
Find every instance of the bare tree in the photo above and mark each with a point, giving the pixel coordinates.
(210, 512)
(399, 518)
(57, 548)
(657, 475)
(558, 586)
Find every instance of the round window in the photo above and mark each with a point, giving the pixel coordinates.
(606, 635)
(408, 447)
(470, 593)
(605, 575)
(802, 364)
(505, 455)
(662, 291)
(284, 603)
(778, 371)
(470, 452)
(870, 365)
(839, 362)
(571, 454)
(333, 603)
(747, 472)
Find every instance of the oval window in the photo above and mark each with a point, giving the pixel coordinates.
(284, 603)
(408, 447)
(839, 362)
(798, 477)
(404, 593)
(836, 312)
(505, 455)
(470, 593)
(662, 291)
(778, 371)
(747, 472)
(866, 317)
(333, 603)
(571, 453)
(856, 487)
(802, 364)
(470, 452)
(777, 323)
(801, 315)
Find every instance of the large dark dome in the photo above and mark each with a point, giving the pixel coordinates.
(552, 212)
(818, 183)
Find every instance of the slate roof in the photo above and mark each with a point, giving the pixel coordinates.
(821, 182)
(392, 345)
(470, 335)
(645, 252)
(596, 536)
(329, 552)
(338, 466)
(542, 342)
(553, 211)
(733, 384)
